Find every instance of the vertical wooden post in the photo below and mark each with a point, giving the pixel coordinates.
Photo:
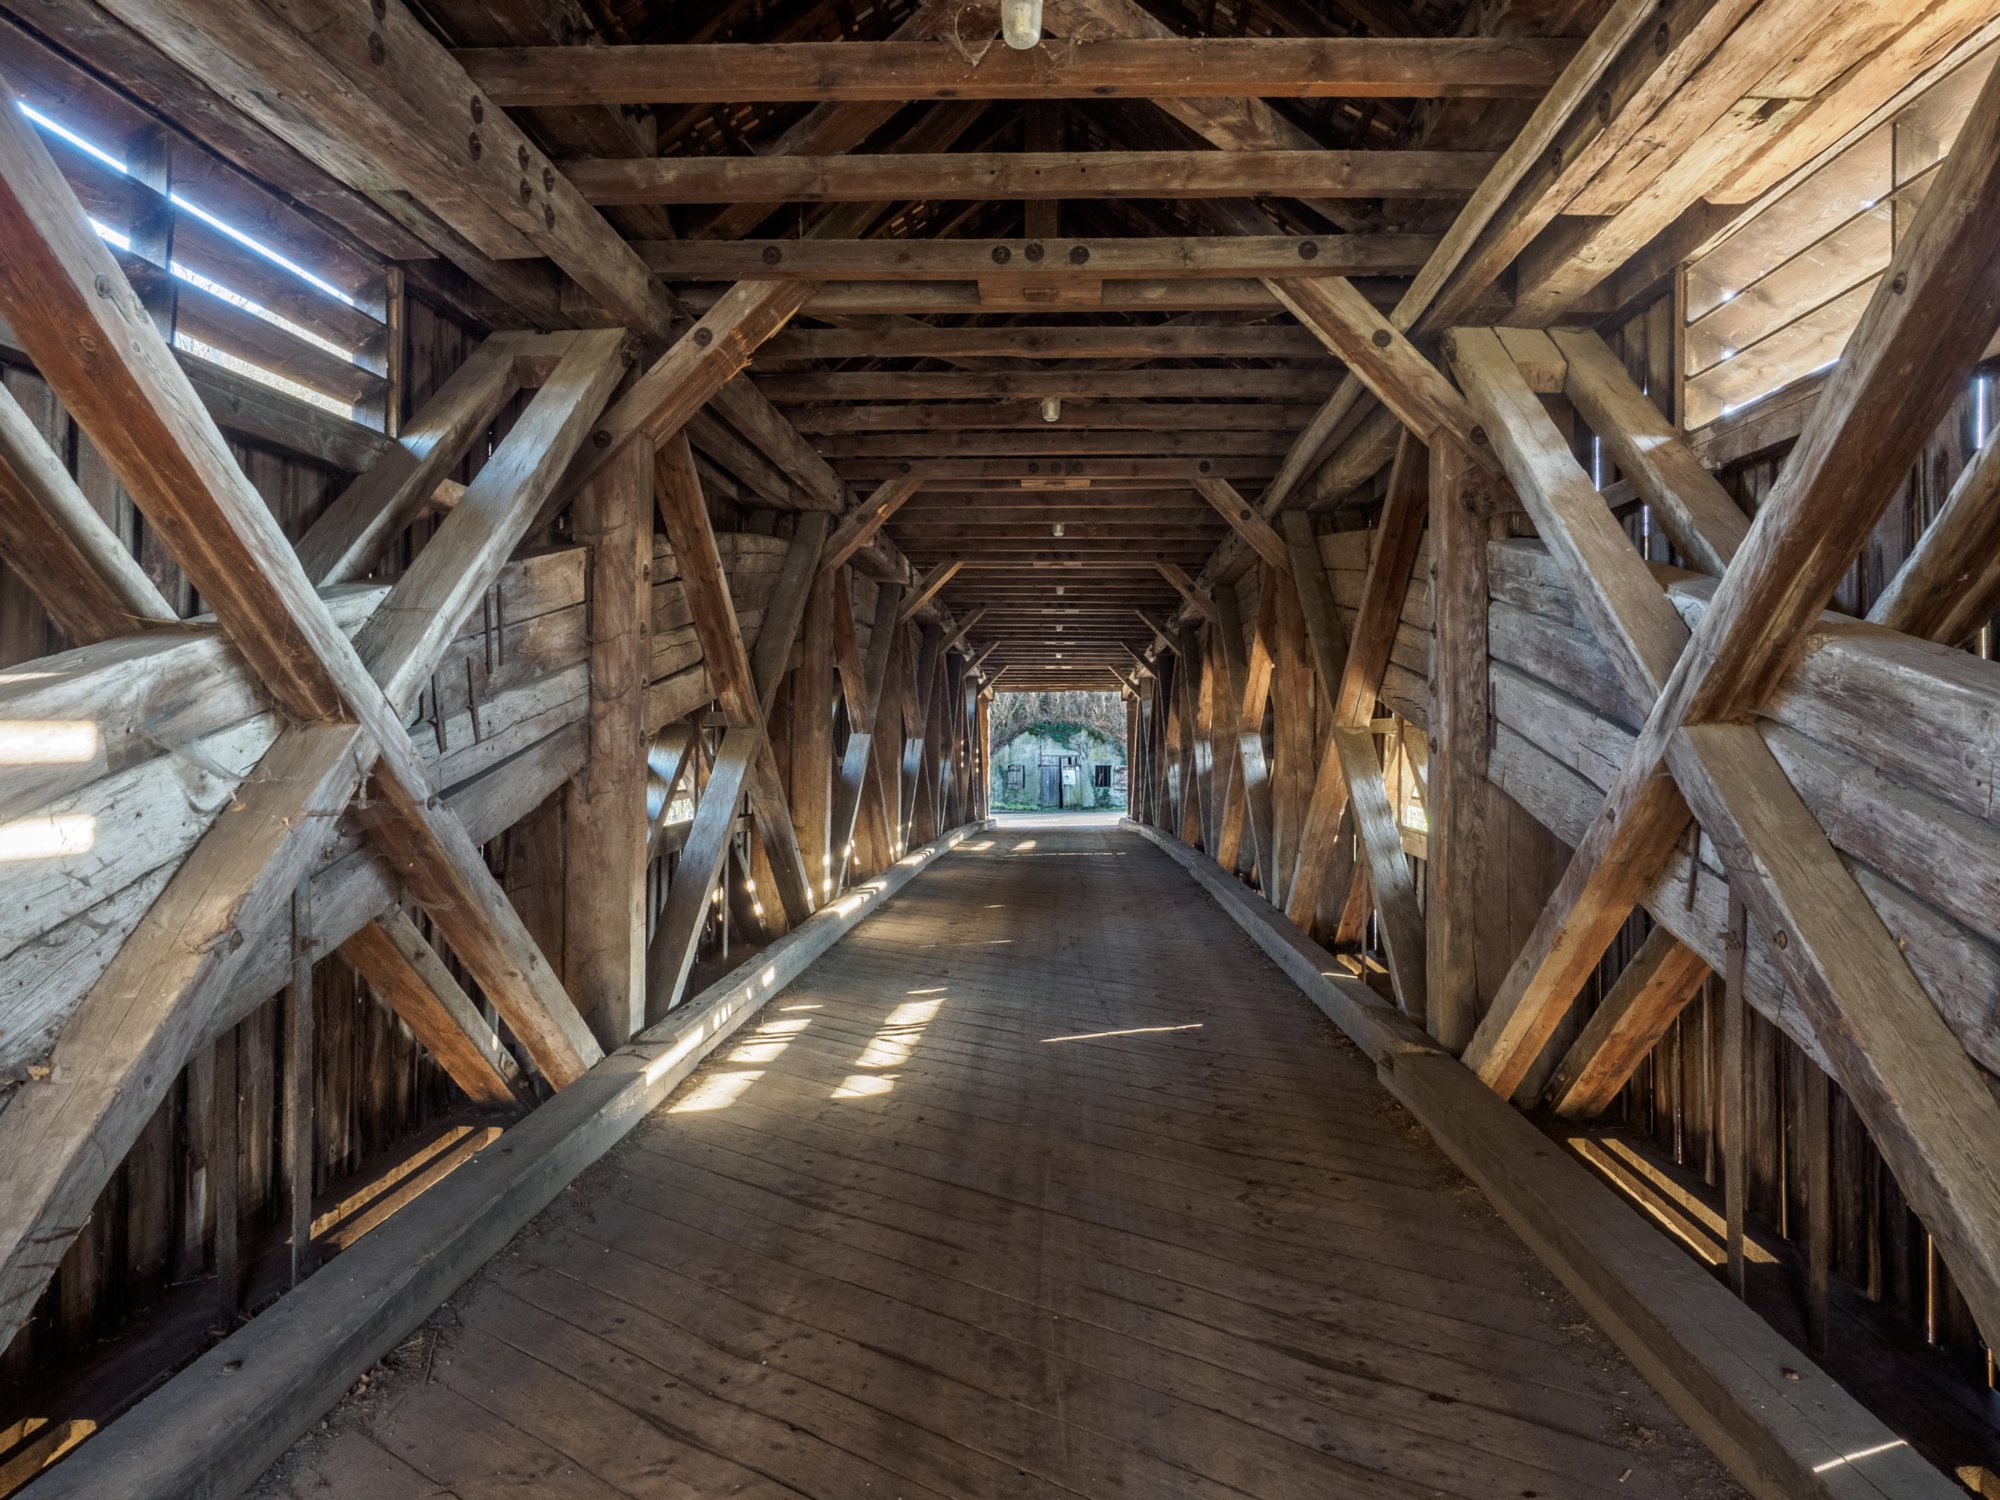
(812, 735)
(1292, 759)
(1735, 1143)
(149, 161)
(1461, 510)
(296, 1109)
(1194, 742)
(1817, 1150)
(225, 1164)
(983, 796)
(604, 826)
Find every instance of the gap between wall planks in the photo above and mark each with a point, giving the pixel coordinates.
(1785, 1428)
(216, 1426)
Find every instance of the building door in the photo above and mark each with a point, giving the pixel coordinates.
(1052, 785)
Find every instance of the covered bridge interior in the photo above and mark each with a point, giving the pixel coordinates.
(514, 516)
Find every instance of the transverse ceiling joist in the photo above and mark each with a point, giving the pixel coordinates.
(1140, 68)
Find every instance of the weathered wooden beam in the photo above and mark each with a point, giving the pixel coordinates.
(1051, 441)
(1197, 599)
(1651, 453)
(1461, 865)
(141, 1020)
(1511, 203)
(1629, 1021)
(1930, 317)
(1384, 360)
(1035, 385)
(1036, 342)
(1027, 174)
(389, 111)
(684, 379)
(968, 416)
(1245, 520)
(1350, 780)
(740, 691)
(344, 541)
(1950, 585)
(415, 983)
(678, 928)
(121, 381)
(1113, 68)
(156, 437)
(926, 588)
(863, 684)
(56, 543)
(860, 525)
(811, 790)
(604, 825)
(1927, 1105)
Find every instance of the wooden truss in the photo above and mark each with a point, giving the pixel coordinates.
(342, 701)
(1696, 676)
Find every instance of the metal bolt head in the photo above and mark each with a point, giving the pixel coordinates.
(703, 337)
(1478, 435)
(1308, 249)
(521, 155)
(1001, 255)
(1381, 338)
(772, 255)
(1079, 255)
(478, 109)
(600, 438)
(1034, 252)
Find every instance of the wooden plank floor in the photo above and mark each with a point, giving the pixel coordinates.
(1043, 1183)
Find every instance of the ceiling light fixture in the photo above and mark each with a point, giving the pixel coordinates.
(1051, 408)
(1021, 24)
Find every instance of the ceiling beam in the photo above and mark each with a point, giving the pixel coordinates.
(968, 175)
(955, 416)
(1057, 261)
(374, 98)
(917, 341)
(1123, 68)
(1033, 385)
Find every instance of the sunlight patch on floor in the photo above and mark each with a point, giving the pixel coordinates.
(1096, 1036)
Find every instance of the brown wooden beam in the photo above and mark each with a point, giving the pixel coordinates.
(1040, 342)
(1114, 68)
(972, 175)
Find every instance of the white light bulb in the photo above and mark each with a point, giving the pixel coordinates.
(1021, 24)
(1051, 408)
